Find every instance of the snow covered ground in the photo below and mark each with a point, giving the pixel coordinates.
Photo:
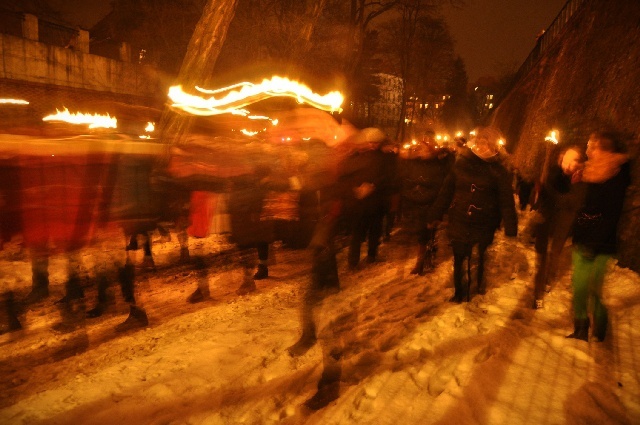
(409, 356)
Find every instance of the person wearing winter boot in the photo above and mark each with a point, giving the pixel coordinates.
(147, 260)
(202, 292)
(137, 316)
(365, 176)
(422, 175)
(606, 175)
(558, 203)
(477, 196)
(39, 277)
(12, 310)
(263, 261)
(247, 261)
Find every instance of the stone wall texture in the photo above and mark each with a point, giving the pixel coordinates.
(588, 80)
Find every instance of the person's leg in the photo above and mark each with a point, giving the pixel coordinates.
(482, 283)
(248, 262)
(582, 270)
(431, 249)
(263, 261)
(39, 276)
(374, 234)
(600, 315)
(461, 252)
(541, 276)
(359, 228)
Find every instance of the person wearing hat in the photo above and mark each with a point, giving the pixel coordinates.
(477, 197)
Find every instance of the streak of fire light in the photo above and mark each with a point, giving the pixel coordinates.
(239, 95)
(93, 121)
(14, 101)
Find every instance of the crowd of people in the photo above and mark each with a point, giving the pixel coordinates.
(363, 187)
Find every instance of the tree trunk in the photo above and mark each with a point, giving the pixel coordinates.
(199, 61)
(313, 13)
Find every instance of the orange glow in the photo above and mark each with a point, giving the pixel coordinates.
(235, 97)
(93, 121)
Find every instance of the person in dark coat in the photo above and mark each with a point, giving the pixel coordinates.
(365, 179)
(477, 196)
(322, 177)
(607, 175)
(558, 204)
(422, 175)
(392, 193)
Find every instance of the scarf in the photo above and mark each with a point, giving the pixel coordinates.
(603, 166)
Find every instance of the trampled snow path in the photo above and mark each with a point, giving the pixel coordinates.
(409, 356)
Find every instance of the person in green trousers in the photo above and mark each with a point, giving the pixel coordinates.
(607, 175)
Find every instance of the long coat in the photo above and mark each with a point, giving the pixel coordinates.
(477, 196)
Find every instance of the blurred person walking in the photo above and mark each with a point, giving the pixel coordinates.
(606, 175)
(559, 199)
(365, 177)
(423, 173)
(476, 195)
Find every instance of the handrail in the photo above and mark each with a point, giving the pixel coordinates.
(545, 41)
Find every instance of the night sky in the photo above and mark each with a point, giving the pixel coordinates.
(492, 36)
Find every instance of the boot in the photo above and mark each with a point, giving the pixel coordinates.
(247, 286)
(202, 291)
(429, 259)
(184, 255)
(460, 293)
(262, 273)
(199, 295)
(101, 305)
(126, 277)
(419, 267)
(39, 287)
(325, 395)
(137, 319)
(147, 263)
(482, 287)
(12, 312)
(306, 341)
(39, 292)
(601, 320)
(329, 383)
(581, 329)
(73, 291)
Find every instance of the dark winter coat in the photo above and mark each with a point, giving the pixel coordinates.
(364, 167)
(476, 195)
(597, 221)
(559, 199)
(422, 180)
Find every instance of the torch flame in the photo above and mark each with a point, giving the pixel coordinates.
(248, 133)
(242, 94)
(552, 137)
(94, 121)
(14, 101)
